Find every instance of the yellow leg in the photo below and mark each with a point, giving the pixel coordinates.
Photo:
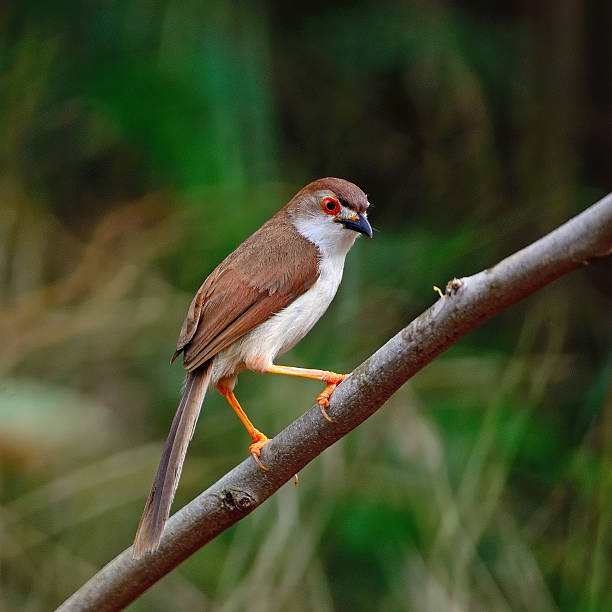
(331, 378)
(259, 439)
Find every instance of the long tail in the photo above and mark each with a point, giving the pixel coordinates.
(158, 504)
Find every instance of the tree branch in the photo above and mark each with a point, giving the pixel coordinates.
(467, 303)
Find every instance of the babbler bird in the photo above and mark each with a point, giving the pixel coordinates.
(257, 304)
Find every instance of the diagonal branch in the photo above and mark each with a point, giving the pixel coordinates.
(467, 303)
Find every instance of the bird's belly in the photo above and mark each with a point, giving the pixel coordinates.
(286, 328)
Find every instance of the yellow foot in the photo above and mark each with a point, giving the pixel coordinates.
(255, 450)
(332, 378)
(260, 440)
(323, 399)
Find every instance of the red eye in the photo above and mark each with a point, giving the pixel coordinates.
(330, 206)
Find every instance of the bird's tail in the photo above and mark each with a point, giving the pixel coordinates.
(158, 504)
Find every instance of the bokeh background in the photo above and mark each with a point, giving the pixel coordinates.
(141, 141)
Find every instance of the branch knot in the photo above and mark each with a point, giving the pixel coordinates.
(235, 499)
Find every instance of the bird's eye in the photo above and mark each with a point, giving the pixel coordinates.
(331, 206)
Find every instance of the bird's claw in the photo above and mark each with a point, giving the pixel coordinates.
(258, 462)
(333, 380)
(255, 449)
(323, 401)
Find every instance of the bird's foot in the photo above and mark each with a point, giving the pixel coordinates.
(332, 380)
(255, 451)
(259, 441)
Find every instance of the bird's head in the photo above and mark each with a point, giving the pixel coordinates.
(331, 212)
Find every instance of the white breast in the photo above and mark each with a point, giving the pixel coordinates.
(259, 348)
(286, 328)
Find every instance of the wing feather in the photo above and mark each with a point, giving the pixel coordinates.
(262, 276)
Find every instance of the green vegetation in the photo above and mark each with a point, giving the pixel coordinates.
(140, 142)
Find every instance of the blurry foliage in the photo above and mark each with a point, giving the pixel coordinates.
(141, 141)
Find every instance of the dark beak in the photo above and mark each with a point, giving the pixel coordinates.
(361, 225)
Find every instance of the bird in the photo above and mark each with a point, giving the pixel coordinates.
(261, 300)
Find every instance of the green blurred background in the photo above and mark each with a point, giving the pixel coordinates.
(141, 141)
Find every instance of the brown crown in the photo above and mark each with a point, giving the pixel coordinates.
(348, 193)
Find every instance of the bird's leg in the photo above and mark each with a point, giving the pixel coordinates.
(259, 439)
(331, 378)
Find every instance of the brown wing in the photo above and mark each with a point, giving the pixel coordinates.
(264, 274)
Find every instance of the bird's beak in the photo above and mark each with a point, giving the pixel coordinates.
(358, 223)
